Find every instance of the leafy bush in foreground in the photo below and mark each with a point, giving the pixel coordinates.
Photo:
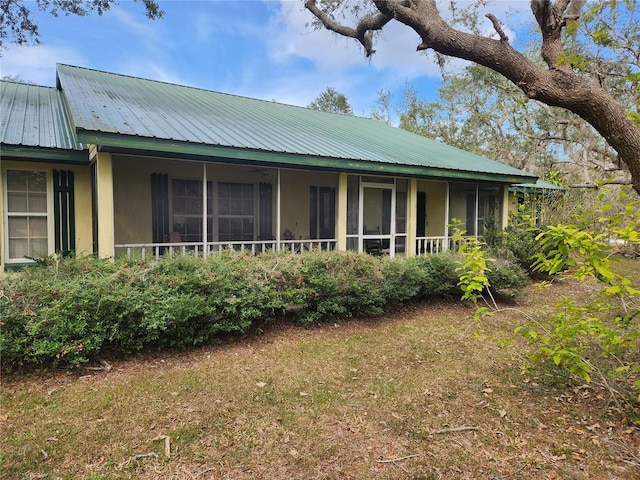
(599, 334)
(67, 312)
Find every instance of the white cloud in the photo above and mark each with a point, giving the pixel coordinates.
(37, 64)
(290, 37)
(133, 24)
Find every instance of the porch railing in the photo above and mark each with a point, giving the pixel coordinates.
(426, 245)
(145, 250)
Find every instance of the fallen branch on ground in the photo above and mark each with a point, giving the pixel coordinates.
(167, 444)
(137, 457)
(399, 459)
(463, 428)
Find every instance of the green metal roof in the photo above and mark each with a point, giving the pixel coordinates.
(35, 124)
(133, 114)
(540, 186)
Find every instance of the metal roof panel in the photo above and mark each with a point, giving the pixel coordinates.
(103, 102)
(35, 116)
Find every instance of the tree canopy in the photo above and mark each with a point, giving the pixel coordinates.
(587, 50)
(480, 111)
(331, 101)
(18, 25)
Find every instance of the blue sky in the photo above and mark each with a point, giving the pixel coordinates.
(260, 49)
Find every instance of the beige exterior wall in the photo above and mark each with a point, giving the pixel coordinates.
(82, 197)
(105, 207)
(295, 187)
(412, 204)
(132, 200)
(436, 193)
(132, 192)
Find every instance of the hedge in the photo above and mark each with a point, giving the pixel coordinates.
(67, 312)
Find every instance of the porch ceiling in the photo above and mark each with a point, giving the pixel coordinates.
(120, 112)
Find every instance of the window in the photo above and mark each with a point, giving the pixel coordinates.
(27, 214)
(186, 199)
(235, 211)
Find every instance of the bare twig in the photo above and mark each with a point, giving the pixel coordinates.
(203, 472)
(137, 457)
(463, 428)
(625, 453)
(399, 459)
(497, 27)
(167, 447)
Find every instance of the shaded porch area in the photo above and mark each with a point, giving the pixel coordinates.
(169, 206)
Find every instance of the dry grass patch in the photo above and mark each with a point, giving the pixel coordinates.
(371, 398)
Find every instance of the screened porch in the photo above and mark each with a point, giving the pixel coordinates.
(164, 206)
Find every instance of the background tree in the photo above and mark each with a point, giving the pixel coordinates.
(561, 81)
(382, 109)
(331, 101)
(480, 111)
(17, 79)
(18, 25)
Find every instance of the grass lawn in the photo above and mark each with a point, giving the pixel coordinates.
(421, 393)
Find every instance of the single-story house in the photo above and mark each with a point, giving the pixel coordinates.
(116, 165)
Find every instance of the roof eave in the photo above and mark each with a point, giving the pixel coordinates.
(41, 154)
(119, 143)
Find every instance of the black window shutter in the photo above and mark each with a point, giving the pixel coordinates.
(266, 211)
(64, 212)
(313, 212)
(421, 214)
(160, 207)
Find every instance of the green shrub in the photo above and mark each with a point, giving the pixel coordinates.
(507, 277)
(599, 335)
(333, 284)
(66, 312)
(520, 240)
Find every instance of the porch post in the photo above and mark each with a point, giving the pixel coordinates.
(412, 219)
(278, 229)
(341, 227)
(475, 217)
(204, 210)
(505, 206)
(446, 217)
(104, 209)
